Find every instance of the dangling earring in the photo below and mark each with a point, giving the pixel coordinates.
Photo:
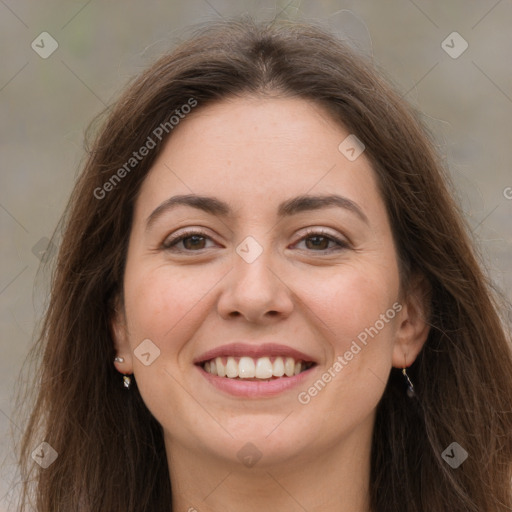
(410, 386)
(127, 381)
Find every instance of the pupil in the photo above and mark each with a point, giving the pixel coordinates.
(318, 238)
(195, 239)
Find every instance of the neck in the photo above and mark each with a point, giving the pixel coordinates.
(332, 479)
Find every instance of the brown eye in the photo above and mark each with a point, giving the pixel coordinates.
(318, 242)
(192, 241)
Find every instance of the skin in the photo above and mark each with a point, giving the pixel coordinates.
(253, 153)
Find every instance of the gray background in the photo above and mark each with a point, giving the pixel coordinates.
(47, 103)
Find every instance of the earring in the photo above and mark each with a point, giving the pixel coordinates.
(410, 386)
(127, 381)
(119, 359)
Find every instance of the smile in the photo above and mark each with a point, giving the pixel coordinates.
(247, 370)
(262, 368)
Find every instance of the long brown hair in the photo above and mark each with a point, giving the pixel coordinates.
(111, 454)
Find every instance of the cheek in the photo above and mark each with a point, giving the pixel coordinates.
(167, 307)
(161, 302)
(362, 319)
(358, 309)
(351, 300)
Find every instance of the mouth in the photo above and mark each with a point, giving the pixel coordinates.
(254, 371)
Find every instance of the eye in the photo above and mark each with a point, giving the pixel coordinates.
(192, 241)
(316, 240)
(319, 241)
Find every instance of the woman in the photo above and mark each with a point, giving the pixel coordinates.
(265, 298)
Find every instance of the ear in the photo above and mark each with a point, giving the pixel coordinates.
(119, 332)
(414, 322)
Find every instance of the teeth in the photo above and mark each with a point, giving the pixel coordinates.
(231, 368)
(246, 369)
(263, 368)
(249, 368)
(278, 367)
(289, 367)
(221, 369)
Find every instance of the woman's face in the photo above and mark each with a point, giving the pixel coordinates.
(288, 257)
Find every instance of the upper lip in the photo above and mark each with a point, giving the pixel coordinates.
(240, 349)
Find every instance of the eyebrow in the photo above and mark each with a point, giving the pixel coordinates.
(293, 206)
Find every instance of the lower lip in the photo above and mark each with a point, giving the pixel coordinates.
(255, 389)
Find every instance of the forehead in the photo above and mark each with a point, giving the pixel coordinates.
(256, 152)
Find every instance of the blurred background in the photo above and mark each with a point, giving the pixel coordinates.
(63, 62)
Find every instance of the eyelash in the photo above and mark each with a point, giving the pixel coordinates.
(169, 245)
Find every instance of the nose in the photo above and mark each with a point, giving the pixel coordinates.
(256, 291)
